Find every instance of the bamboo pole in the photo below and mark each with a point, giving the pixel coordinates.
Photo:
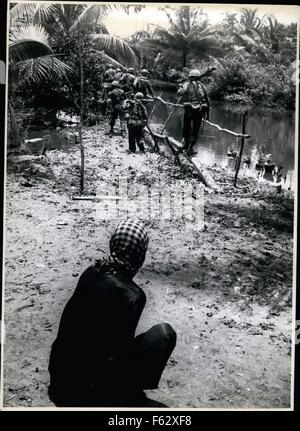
(241, 149)
(155, 106)
(81, 120)
(156, 148)
(171, 113)
(221, 129)
(238, 135)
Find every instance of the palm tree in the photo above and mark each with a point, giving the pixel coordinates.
(79, 19)
(189, 33)
(31, 60)
(249, 20)
(85, 25)
(250, 34)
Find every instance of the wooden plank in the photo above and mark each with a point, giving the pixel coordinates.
(175, 146)
(176, 143)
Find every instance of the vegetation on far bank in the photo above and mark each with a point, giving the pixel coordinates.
(58, 50)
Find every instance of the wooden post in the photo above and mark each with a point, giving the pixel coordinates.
(241, 149)
(81, 120)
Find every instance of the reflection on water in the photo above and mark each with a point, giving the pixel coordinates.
(272, 132)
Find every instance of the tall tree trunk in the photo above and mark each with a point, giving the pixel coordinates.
(81, 118)
(15, 133)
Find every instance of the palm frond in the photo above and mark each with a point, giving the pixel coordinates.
(109, 59)
(28, 41)
(30, 12)
(43, 68)
(25, 49)
(89, 15)
(93, 13)
(22, 11)
(115, 47)
(35, 32)
(135, 8)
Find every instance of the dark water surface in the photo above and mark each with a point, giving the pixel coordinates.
(272, 132)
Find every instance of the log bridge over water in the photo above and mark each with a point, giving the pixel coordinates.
(176, 147)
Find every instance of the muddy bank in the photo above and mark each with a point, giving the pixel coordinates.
(225, 288)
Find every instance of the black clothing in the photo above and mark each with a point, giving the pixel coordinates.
(95, 359)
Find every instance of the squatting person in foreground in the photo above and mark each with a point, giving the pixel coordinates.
(96, 360)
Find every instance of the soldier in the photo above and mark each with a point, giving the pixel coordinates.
(109, 73)
(115, 100)
(142, 84)
(118, 75)
(196, 106)
(137, 119)
(127, 80)
(104, 97)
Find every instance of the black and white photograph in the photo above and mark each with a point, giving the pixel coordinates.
(150, 206)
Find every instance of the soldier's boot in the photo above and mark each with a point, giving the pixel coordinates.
(185, 144)
(190, 149)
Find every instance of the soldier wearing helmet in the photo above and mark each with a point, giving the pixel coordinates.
(142, 84)
(127, 80)
(115, 100)
(196, 107)
(109, 74)
(118, 75)
(137, 119)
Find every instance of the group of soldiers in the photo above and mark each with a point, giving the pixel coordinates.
(123, 95)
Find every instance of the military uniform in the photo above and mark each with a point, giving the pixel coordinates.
(104, 98)
(109, 75)
(116, 98)
(137, 119)
(143, 85)
(196, 105)
(127, 82)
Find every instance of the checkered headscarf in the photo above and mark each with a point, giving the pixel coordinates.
(128, 245)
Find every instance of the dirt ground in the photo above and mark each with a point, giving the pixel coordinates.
(225, 288)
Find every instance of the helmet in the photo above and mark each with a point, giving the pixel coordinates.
(118, 70)
(145, 72)
(109, 66)
(194, 73)
(130, 70)
(115, 84)
(138, 95)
